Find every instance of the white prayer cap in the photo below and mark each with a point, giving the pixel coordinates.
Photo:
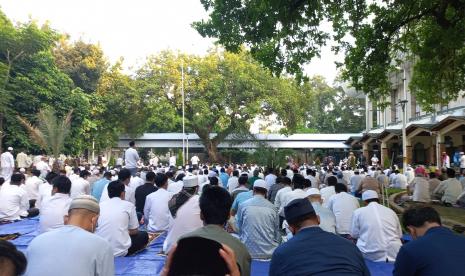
(369, 194)
(313, 191)
(96, 171)
(112, 172)
(212, 174)
(22, 170)
(260, 183)
(10, 148)
(190, 181)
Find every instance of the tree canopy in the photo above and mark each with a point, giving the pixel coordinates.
(376, 36)
(224, 93)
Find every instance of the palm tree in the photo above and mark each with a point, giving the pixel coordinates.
(50, 132)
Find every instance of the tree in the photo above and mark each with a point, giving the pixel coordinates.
(50, 132)
(83, 62)
(16, 45)
(376, 36)
(330, 110)
(224, 92)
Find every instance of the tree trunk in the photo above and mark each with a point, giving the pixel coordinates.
(1, 132)
(212, 150)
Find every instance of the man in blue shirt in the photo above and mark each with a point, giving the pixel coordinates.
(98, 186)
(258, 223)
(312, 251)
(224, 177)
(435, 249)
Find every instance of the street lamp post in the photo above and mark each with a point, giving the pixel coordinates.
(183, 122)
(404, 134)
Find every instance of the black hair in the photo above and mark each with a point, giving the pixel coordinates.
(205, 171)
(215, 203)
(50, 176)
(2, 180)
(332, 181)
(107, 175)
(8, 252)
(417, 216)
(283, 172)
(62, 183)
(236, 173)
(115, 188)
(213, 181)
(339, 187)
(222, 170)
(432, 175)
(308, 171)
(299, 181)
(270, 170)
(180, 177)
(357, 172)
(286, 180)
(169, 174)
(307, 183)
(84, 174)
(132, 144)
(35, 172)
(76, 170)
(450, 172)
(372, 200)
(243, 179)
(124, 174)
(160, 179)
(16, 178)
(150, 176)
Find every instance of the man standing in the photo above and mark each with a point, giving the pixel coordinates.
(445, 160)
(270, 178)
(23, 160)
(462, 162)
(258, 223)
(233, 181)
(215, 203)
(330, 254)
(131, 157)
(343, 206)
(195, 161)
(377, 229)
(156, 211)
(435, 250)
(118, 223)
(54, 208)
(172, 161)
(73, 249)
(7, 163)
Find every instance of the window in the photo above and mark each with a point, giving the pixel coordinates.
(394, 113)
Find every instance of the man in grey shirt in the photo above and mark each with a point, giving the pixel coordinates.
(130, 158)
(72, 249)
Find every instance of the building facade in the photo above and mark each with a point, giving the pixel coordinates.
(428, 134)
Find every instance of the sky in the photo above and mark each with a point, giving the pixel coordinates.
(135, 29)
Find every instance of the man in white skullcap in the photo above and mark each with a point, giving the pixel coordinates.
(377, 229)
(72, 249)
(7, 164)
(185, 209)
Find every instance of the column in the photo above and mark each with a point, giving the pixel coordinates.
(409, 153)
(440, 147)
(432, 152)
(365, 152)
(384, 153)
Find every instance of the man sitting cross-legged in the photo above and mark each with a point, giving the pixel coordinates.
(118, 222)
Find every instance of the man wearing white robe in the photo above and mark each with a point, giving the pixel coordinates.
(7, 162)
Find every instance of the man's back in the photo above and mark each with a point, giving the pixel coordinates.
(156, 210)
(313, 251)
(80, 187)
(98, 186)
(438, 252)
(69, 251)
(53, 210)
(141, 195)
(130, 158)
(378, 231)
(450, 190)
(13, 202)
(259, 226)
(116, 218)
(343, 206)
(369, 183)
